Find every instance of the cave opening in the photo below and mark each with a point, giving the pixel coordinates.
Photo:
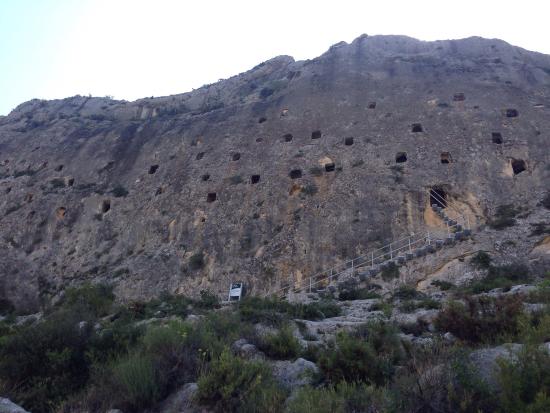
(518, 166)
(417, 127)
(348, 141)
(372, 105)
(316, 134)
(59, 168)
(512, 113)
(459, 97)
(205, 177)
(236, 156)
(199, 156)
(105, 206)
(329, 167)
(211, 197)
(295, 174)
(401, 157)
(438, 197)
(262, 120)
(153, 169)
(446, 158)
(497, 138)
(254, 179)
(288, 137)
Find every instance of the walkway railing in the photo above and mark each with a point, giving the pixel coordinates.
(397, 252)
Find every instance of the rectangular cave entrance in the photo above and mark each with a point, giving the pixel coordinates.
(518, 166)
(348, 141)
(316, 134)
(288, 137)
(512, 113)
(295, 174)
(416, 127)
(254, 179)
(497, 138)
(329, 167)
(438, 197)
(446, 158)
(401, 157)
(153, 169)
(211, 197)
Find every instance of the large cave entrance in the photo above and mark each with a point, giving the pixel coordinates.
(438, 197)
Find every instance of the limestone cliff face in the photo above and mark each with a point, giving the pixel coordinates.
(276, 172)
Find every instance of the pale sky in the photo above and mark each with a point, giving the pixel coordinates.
(135, 48)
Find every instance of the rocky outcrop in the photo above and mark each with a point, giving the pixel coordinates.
(274, 174)
(7, 406)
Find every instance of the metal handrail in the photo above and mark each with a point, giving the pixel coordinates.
(350, 266)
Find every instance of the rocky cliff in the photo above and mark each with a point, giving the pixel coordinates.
(275, 173)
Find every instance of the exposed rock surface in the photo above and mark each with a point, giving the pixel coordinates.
(181, 401)
(7, 406)
(294, 373)
(275, 173)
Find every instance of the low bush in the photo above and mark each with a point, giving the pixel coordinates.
(281, 345)
(504, 217)
(481, 260)
(442, 285)
(274, 311)
(390, 272)
(233, 385)
(483, 319)
(94, 299)
(407, 292)
(368, 356)
(357, 294)
(342, 398)
(503, 276)
(208, 300)
(138, 379)
(525, 382)
(119, 191)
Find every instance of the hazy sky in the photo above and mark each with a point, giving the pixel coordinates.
(136, 48)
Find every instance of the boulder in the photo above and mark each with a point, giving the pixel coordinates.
(7, 406)
(292, 374)
(485, 360)
(180, 401)
(246, 350)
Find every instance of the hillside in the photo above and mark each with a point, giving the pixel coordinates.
(278, 172)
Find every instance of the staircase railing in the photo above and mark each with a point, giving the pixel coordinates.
(399, 251)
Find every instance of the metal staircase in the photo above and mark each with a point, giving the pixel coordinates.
(457, 228)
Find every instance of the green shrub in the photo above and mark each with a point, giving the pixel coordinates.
(525, 382)
(42, 364)
(119, 191)
(504, 217)
(503, 276)
(390, 271)
(310, 189)
(481, 260)
(274, 311)
(342, 398)
(483, 319)
(367, 356)
(57, 183)
(234, 385)
(443, 285)
(357, 294)
(281, 345)
(316, 171)
(406, 292)
(95, 299)
(208, 300)
(138, 380)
